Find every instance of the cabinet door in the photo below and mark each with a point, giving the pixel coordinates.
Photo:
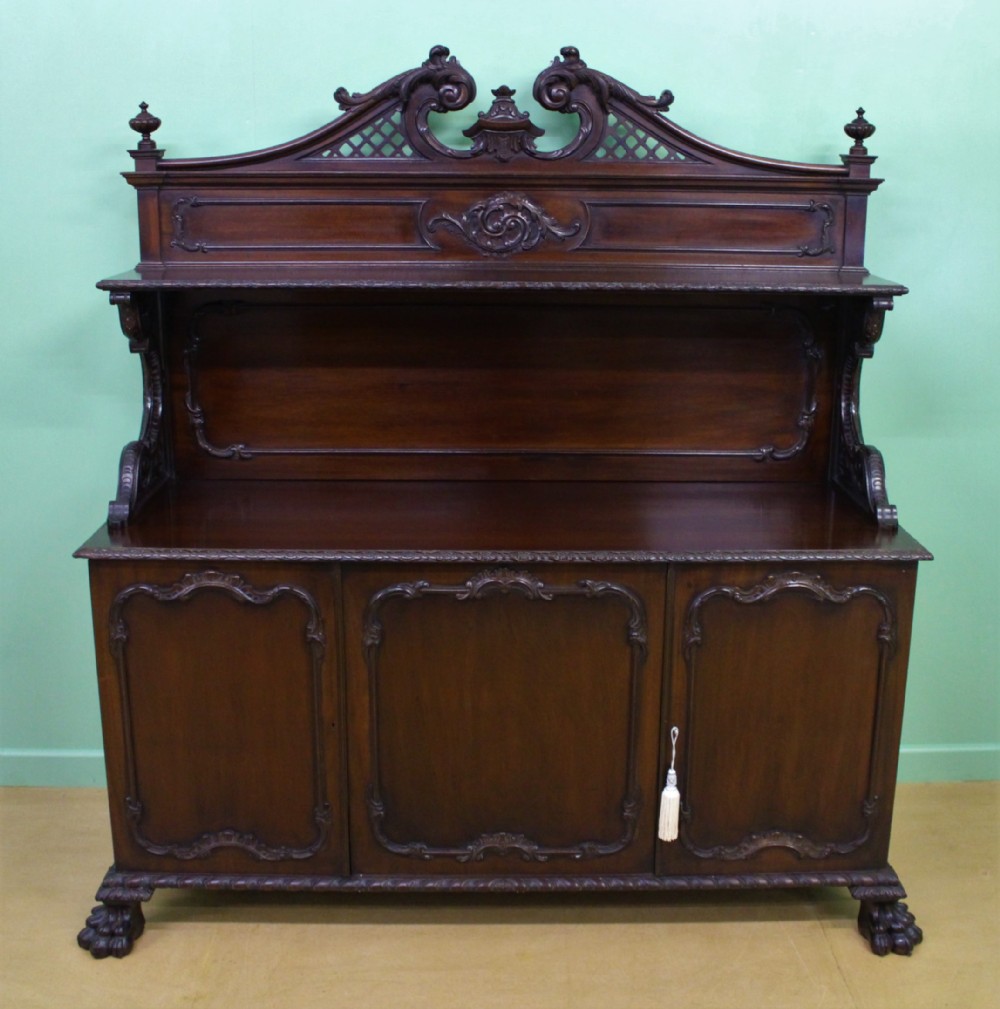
(505, 721)
(221, 717)
(787, 688)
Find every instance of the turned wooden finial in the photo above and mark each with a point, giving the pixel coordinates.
(145, 124)
(859, 130)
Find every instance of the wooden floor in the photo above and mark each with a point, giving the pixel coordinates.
(755, 951)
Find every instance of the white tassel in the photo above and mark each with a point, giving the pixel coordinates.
(670, 797)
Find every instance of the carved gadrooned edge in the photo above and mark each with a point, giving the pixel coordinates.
(546, 883)
(145, 464)
(115, 924)
(481, 586)
(235, 586)
(860, 468)
(220, 555)
(693, 636)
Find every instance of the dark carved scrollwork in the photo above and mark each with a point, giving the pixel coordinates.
(479, 586)
(179, 221)
(825, 244)
(860, 468)
(235, 586)
(205, 844)
(569, 85)
(504, 224)
(885, 635)
(804, 847)
(145, 463)
(439, 84)
(453, 84)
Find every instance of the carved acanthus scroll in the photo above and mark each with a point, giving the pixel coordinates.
(504, 224)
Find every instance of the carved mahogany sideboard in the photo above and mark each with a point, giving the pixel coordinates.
(468, 474)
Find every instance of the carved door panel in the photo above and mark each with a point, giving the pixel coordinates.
(505, 721)
(787, 688)
(222, 717)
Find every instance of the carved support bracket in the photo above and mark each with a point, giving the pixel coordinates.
(145, 463)
(860, 468)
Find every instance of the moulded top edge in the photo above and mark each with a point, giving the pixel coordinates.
(499, 277)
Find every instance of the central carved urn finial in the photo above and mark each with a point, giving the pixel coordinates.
(504, 132)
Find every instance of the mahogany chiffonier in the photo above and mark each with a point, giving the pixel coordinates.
(483, 490)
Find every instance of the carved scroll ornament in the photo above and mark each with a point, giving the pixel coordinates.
(504, 224)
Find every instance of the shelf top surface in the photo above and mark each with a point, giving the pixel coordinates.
(497, 522)
(499, 276)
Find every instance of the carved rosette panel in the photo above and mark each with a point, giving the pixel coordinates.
(180, 592)
(504, 581)
(145, 463)
(860, 468)
(503, 224)
(815, 586)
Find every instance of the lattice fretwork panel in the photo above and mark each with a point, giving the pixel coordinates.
(627, 141)
(381, 138)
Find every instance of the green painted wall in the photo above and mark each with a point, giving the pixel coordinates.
(776, 77)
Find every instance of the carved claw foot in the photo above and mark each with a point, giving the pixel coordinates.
(888, 927)
(111, 929)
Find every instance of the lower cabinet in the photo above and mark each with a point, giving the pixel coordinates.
(390, 725)
(504, 721)
(222, 717)
(787, 687)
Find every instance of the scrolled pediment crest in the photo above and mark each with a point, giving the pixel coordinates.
(441, 84)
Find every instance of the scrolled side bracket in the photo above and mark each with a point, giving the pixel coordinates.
(145, 463)
(859, 469)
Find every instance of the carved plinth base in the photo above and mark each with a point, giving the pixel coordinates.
(111, 929)
(888, 927)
